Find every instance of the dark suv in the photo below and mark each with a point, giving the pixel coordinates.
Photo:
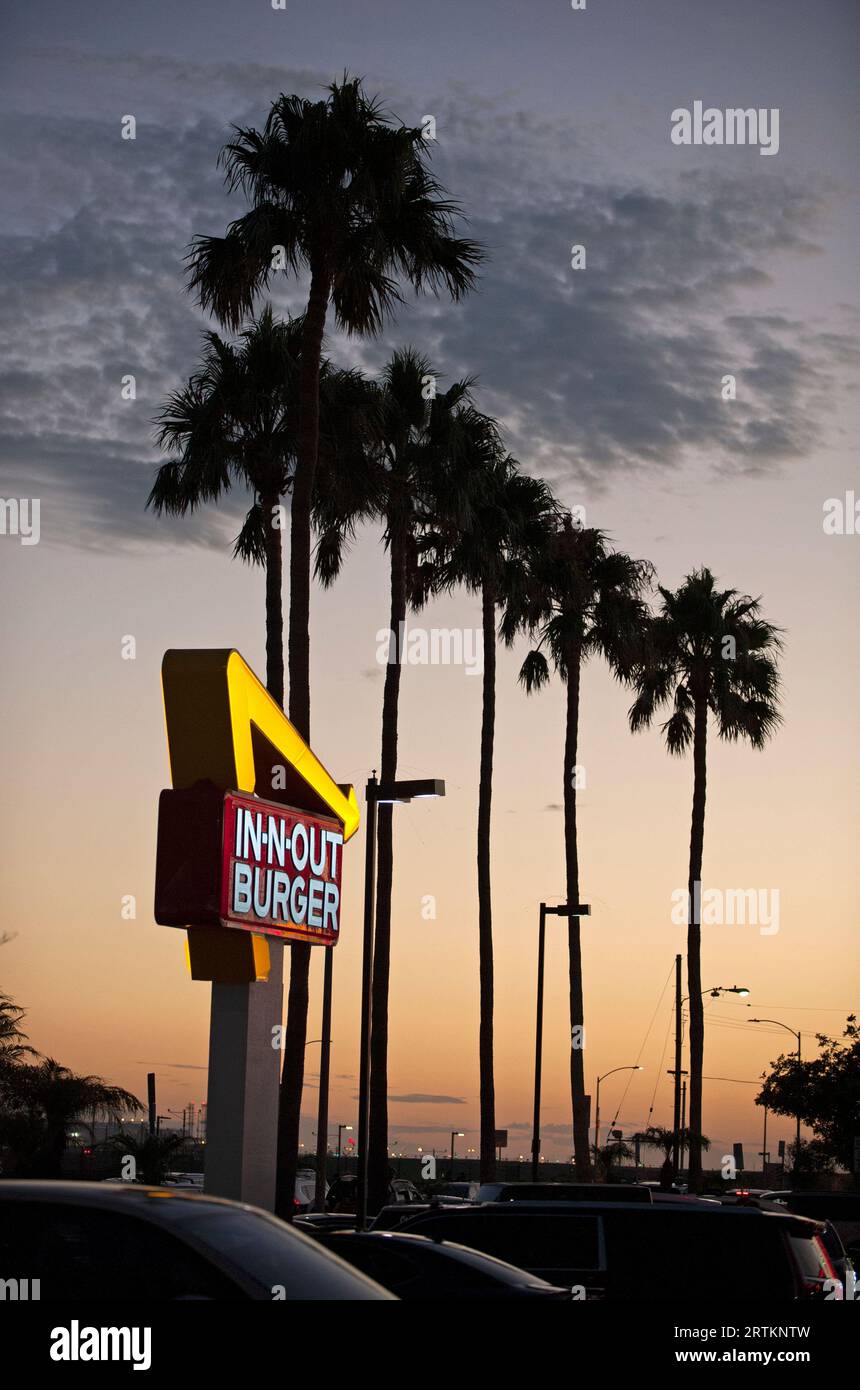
(632, 1251)
(561, 1192)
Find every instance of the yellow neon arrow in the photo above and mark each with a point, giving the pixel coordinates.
(217, 712)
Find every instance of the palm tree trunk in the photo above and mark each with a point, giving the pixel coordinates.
(274, 604)
(303, 486)
(295, 1037)
(694, 941)
(485, 906)
(581, 1156)
(378, 1123)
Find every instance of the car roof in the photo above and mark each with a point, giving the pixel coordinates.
(144, 1198)
(712, 1210)
(462, 1253)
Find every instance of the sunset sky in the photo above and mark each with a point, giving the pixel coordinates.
(553, 130)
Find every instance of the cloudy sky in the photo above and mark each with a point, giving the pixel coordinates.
(552, 130)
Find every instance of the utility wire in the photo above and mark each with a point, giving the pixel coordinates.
(643, 1046)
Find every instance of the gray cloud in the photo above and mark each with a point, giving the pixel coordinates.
(420, 1099)
(614, 368)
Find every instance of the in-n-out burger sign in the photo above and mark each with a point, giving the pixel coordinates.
(233, 860)
(280, 870)
(234, 867)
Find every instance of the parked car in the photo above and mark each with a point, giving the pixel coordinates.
(342, 1194)
(842, 1208)
(461, 1191)
(415, 1268)
(561, 1192)
(194, 1180)
(671, 1251)
(390, 1218)
(99, 1242)
(315, 1221)
(306, 1189)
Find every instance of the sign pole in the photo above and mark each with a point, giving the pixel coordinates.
(244, 1066)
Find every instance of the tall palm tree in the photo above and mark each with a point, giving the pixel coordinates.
(416, 467)
(511, 518)
(235, 424)
(339, 191)
(709, 652)
(582, 599)
(344, 193)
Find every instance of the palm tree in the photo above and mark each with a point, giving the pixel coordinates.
(341, 191)
(662, 1138)
(234, 423)
(416, 468)
(609, 1154)
(709, 651)
(152, 1154)
(344, 193)
(13, 1039)
(46, 1097)
(511, 517)
(582, 599)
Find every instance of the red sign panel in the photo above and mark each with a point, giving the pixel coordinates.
(280, 871)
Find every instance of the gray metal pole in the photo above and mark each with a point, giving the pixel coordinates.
(538, 1045)
(676, 1123)
(366, 982)
(797, 1133)
(764, 1150)
(596, 1123)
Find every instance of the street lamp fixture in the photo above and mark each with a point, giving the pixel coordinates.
(376, 793)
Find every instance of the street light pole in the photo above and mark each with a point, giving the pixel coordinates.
(764, 1153)
(366, 980)
(455, 1134)
(678, 1121)
(374, 793)
(562, 910)
(795, 1033)
(597, 1106)
(325, 1073)
(538, 1043)
(340, 1130)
